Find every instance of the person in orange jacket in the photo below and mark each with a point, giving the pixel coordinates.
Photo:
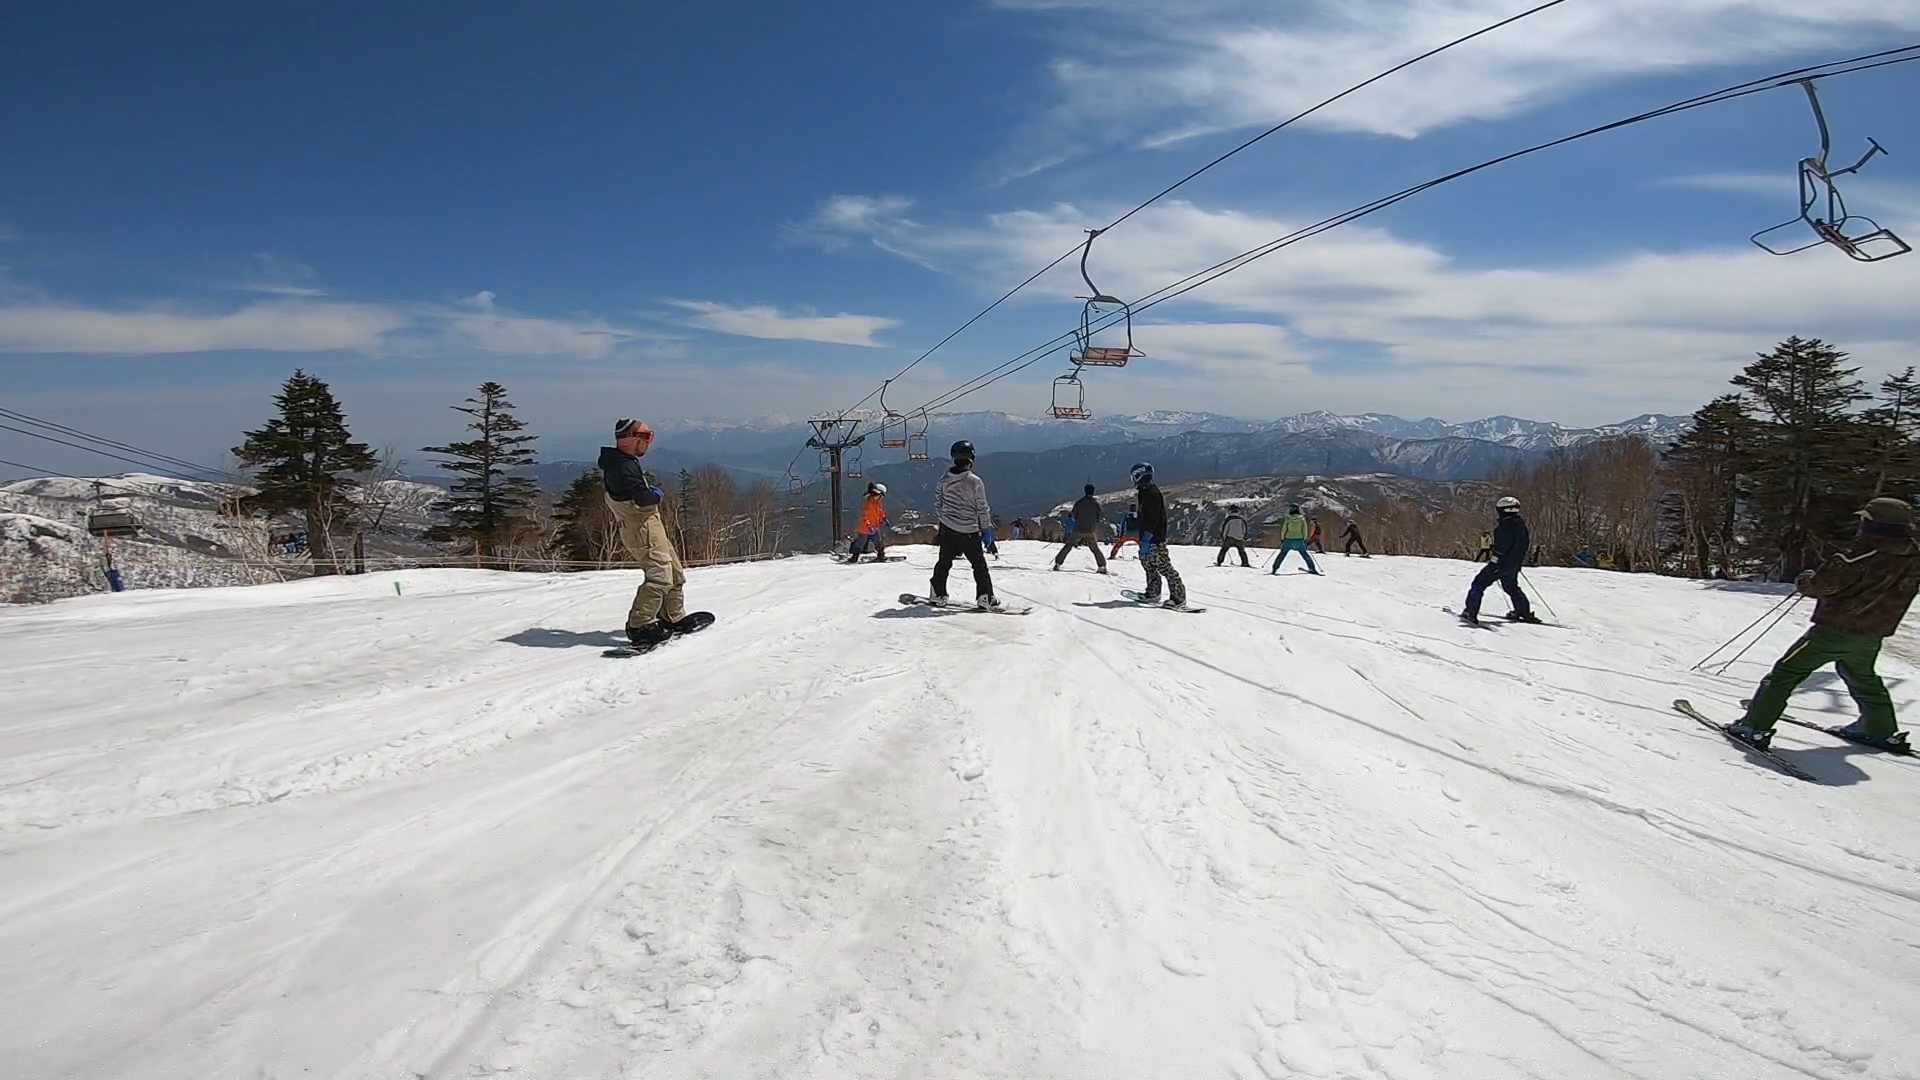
(866, 532)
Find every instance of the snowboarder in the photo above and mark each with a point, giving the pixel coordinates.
(659, 608)
(1352, 537)
(1508, 543)
(1153, 540)
(1233, 537)
(866, 533)
(1313, 536)
(1129, 530)
(1862, 593)
(966, 526)
(1083, 530)
(1293, 537)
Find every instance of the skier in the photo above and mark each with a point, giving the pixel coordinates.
(1507, 544)
(1313, 536)
(1233, 537)
(1083, 530)
(1153, 540)
(1129, 530)
(966, 527)
(873, 514)
(1352, 537)
(1293, 537)
(1486, 548)
(659, 608)
(1862, 593)
(1019, 528)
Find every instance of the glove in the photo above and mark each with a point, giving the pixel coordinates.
(658, 495)
(1146, 544)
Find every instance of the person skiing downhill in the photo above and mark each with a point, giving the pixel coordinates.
(1508, 544)
(1862, 594)
(866, 532)
(1293, 537)
(1352, 537)
(1153, 540)
(1314, 543)
(1233, 537)
(1083, 530)
(659, 608)
(966, 522)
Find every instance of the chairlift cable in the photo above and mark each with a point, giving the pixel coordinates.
(63, 429)
(1854, 65)
(80, 446)
(1163, 193)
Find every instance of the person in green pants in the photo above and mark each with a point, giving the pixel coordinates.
(1862, 595)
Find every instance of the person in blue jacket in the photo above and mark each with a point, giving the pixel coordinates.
(1510, 541)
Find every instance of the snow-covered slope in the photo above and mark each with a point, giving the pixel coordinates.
(321, 829)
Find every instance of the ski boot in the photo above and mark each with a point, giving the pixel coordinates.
(988, 602)
(649, 635)
(1525, 617)
(1754, 737)
(1470, 618)
(1857, 732)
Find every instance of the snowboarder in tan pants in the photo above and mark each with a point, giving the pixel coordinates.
(659, 606)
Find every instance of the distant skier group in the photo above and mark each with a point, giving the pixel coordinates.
(1863, 593)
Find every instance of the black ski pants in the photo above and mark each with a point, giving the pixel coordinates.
(952, 546)
(1085, 540)
(1231, 544)
(1509, 579)
(1352, 540)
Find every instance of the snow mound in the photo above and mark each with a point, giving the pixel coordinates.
(415, 824)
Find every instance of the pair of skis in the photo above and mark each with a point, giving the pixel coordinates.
(1771, 756)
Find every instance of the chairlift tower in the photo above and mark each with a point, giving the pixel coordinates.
(833, 436)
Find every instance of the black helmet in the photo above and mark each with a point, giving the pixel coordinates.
(961, 451)
(1142, 472)
(1089, 489)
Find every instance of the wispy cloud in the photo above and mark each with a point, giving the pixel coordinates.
(278, 275)
(277, 326)
(765, 321)
(1149, 72)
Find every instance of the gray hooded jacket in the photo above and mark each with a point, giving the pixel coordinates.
(960, 502)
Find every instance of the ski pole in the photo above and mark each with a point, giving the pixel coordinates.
(1784, 612)
(1716, 650)
(1536, 591)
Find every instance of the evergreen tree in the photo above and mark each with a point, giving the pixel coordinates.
(486, 502)
(1894, 434)
(1802, 459)
(683, 515)
(1701, 471)
(303, 461)
(584, 521)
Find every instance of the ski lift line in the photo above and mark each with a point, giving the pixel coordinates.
(1855, 65)
(43, 473)
(80, 446)
(116, 444)
(1176, 185)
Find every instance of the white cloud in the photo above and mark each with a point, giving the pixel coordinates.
(1362, 317)
(1149, 71)
(482, 300)
(278, 326)
(765, 321)
(519, 335)
(278, 275)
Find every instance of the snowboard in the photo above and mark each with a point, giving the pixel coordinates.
(1835, 732)
(695, 622)
(1141, 599)
(1773, 758)
(911, 599)
(864, 559)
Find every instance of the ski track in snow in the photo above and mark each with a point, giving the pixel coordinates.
(1320, 831)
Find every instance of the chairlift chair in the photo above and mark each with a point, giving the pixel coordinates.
(917, 439)
(1070, 398)
(1107, 316)
(893, 425)
(113, 522)
(850, 466)
(1835, 226)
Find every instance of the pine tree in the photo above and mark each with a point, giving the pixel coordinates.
(1701, 472)
(585, 524)
(1894, 436)
(1802, 462)
(486, 502)
(303, 461)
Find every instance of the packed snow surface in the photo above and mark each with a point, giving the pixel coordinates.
(321, 829)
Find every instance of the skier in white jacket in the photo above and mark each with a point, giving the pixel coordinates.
(960, 504)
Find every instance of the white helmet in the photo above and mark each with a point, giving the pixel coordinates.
(877, 488)
(1507, 502)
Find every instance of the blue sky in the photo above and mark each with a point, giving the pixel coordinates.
(726, 209)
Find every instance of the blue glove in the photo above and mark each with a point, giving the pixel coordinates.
(658, 495)
(1146, 544)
